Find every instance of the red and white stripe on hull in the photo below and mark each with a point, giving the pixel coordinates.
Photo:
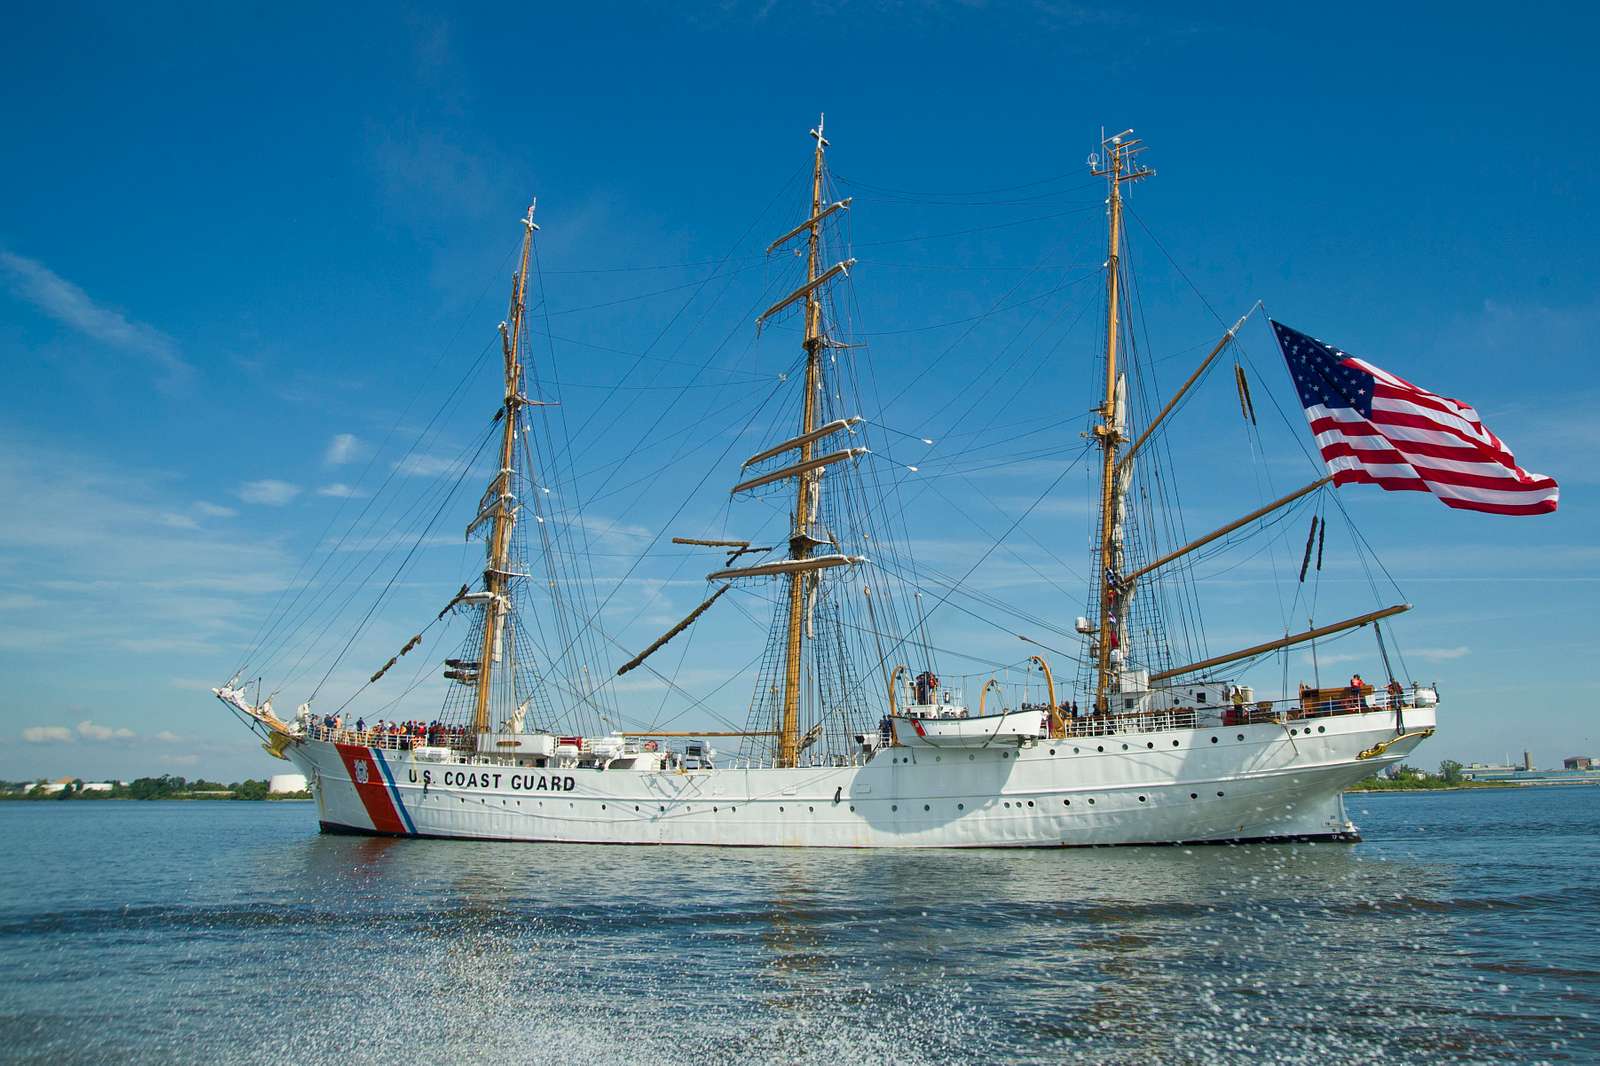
(373, 781)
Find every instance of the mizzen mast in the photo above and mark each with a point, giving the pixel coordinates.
(500, 497)
(1117, 166)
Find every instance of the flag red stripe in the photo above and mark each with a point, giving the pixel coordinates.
(1505, 480)
(1544, 506)
(1405, 441)
(1361, 477)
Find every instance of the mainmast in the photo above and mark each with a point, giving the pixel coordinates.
(1116, 166)
(496, 573)
(806, 485)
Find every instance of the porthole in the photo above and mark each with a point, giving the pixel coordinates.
(1091, 803)
(635, 806)
(1294, 732)
(602, 806)
(1174, 743)
(663, 809)
(852, 807)
(714, 810)
(1150, 744)
(1213, 740)
(813, 810)
(938, 758)
(971, 757)
(1141, 799)
(1066, 803)
(1005, 755)
(1008, 805)
(926, 807)
(1241, 736)
(1194, 795)
(1322, 729)
(1219, 795)
(1099, 747)
(1030, 803)
(961, 806)
(894, 806)
(1124, 747)
(1052, 751)
(1074, 751)
(780, 810)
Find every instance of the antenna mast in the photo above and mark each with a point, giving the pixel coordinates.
(1117, 166)
(496, 573)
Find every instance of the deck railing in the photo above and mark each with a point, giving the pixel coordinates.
(383, 738)
(1320, 704)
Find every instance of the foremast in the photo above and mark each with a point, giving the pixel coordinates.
(503, 502)
(1117, 166)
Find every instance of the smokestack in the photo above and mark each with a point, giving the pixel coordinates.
(1527, 760)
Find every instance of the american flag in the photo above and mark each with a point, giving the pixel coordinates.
(1377, 429)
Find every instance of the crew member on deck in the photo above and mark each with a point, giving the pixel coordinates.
(1356, 685)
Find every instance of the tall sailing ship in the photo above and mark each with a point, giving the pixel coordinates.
(852, 741)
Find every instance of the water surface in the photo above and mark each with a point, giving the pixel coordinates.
(1463, 929)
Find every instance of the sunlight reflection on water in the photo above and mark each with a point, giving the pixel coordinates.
(1462, 930)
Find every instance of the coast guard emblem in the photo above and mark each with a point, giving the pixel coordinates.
(361, 771)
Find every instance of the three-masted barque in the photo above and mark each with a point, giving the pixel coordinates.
(847, 745)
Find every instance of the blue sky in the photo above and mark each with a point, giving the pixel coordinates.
(235, 243)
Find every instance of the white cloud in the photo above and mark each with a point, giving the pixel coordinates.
(1335, 658)
(267, 491)
(1439, 654)
(63, 301)
(214, 510)
(179, 521)
(47, 734)
(92, 541)
(193, 684)
(94, 731)
(340, 491)
(167, 736)
(342, 449)
(603, 529)
(426, 466)
(164, 645)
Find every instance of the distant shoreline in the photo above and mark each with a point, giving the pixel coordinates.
(50, 797)
(1473, 787)
(167, 786)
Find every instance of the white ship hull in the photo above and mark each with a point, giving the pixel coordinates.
(1229, 783)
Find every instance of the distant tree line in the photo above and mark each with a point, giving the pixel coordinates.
(165, 787)
(1401, 777)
